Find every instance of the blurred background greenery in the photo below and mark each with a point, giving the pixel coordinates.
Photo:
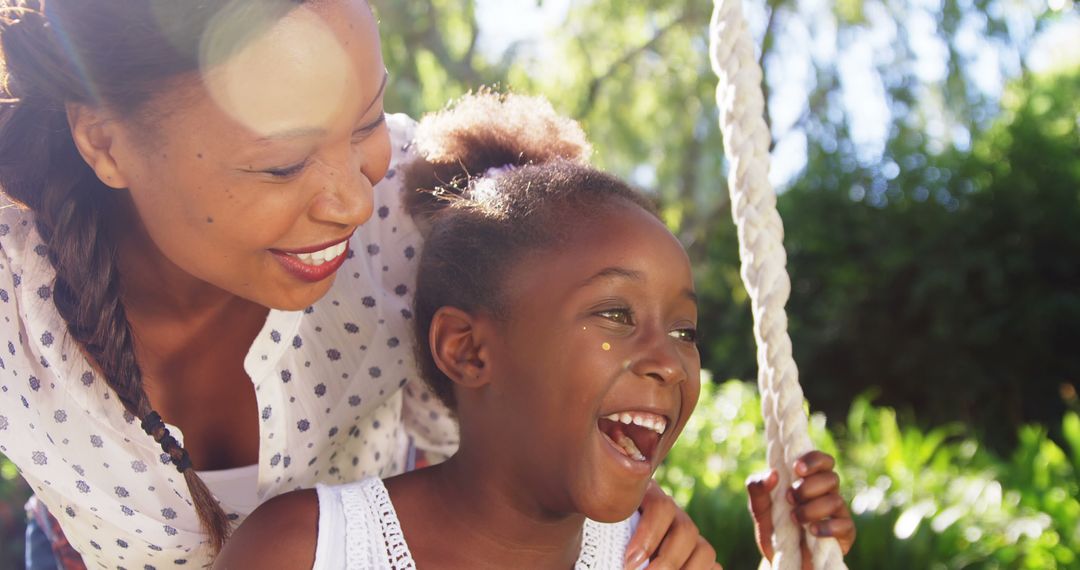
(927, 155)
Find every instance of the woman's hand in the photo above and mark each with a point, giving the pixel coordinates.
(816, 499)
(666, 537)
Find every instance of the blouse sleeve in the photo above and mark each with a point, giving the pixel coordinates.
(430, 428)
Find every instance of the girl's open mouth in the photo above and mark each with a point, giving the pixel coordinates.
(634, 433)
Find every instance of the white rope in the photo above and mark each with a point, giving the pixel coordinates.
(764, 271)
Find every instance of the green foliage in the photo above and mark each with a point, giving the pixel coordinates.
(13, 494)
(947, 282)
(921, 498)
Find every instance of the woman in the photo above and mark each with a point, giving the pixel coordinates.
(203, 245)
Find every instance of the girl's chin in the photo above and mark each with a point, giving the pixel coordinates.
(615, 510)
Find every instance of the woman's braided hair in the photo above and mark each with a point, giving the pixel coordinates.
(118, 54)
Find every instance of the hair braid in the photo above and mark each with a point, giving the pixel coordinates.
(87, 294)
(41, 168)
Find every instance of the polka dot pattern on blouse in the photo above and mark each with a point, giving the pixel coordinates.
(328, 383)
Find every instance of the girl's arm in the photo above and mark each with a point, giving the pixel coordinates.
(817, 503)
(281, 533)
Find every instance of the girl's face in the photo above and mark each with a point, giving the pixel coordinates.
(598, 364)
(255, 173)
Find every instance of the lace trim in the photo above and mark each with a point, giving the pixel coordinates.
(373, 537)
(373, 532)
(603, 545)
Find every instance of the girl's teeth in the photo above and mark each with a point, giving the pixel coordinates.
(657, 424)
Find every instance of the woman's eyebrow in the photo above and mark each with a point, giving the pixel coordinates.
(316, 131)
(382, 89)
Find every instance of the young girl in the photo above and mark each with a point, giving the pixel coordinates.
(204, 301)
(556, 315)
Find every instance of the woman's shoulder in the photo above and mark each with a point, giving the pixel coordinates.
(18, 233)
(26, 278)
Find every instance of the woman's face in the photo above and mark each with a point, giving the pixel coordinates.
(596, 365)
(253, 175)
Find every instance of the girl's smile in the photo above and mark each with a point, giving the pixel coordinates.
(635, 434)
(593, 368)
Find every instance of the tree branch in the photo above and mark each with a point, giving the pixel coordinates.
(767, 42)
(458, 68)
(598, 81)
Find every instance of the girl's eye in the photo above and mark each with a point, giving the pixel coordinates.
(685, 335)
(621, 316)
(286, 172)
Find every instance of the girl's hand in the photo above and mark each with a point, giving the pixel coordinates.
(667, 536)
(817, 501)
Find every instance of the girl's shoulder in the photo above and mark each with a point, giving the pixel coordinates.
(280, 533)
(331, 526)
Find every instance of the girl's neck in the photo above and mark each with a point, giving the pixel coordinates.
(480, 519)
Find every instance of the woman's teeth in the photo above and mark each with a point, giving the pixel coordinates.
(320, 257)
(644, 419)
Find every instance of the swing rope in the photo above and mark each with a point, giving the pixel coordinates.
(764, 272)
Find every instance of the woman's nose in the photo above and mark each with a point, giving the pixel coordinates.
(347, 197)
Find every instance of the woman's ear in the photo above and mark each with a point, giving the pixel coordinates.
(95, 137)
(457, 347)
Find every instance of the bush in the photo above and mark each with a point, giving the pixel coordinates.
(921, 499)
(13, 494)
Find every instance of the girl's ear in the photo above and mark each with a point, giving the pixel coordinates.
(457, 347)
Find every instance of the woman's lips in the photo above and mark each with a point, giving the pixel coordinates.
(315, 263)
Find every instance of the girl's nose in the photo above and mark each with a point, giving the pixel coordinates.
(660, 360)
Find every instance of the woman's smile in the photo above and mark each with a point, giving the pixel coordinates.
(313, 263)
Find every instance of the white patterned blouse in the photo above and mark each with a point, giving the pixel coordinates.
(328, 382)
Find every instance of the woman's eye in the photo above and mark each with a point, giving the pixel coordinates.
(359, 135)
(286, 172)
(685, 335)
(621, 316)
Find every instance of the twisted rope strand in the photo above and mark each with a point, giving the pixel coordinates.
(764, 272)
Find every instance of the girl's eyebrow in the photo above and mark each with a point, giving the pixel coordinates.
(613, 272)
(616, 272)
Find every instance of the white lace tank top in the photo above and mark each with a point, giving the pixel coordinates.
(359, 530)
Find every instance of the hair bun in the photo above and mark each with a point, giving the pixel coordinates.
(482, 131)
(478, 129)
